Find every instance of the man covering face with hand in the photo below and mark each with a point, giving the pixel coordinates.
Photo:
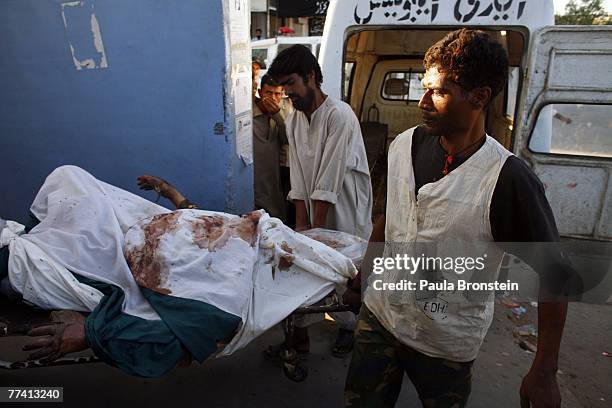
(269, 147)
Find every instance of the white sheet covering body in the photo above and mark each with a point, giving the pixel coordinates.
(260, 275)
(292, 270)
(83, 222)
(193, 254)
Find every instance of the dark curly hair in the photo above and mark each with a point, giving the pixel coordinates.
(297, 59)
(268, 80)
(471, 58)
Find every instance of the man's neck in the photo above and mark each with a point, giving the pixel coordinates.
(318, 101)
(458, 142)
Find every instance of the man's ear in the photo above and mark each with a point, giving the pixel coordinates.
(480, 97)
(311, 77)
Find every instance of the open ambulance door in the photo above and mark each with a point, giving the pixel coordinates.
(565, 134)
(565, 131)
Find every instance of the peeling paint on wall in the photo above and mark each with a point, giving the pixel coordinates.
(84, 35)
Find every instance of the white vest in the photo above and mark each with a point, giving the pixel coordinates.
(452, 210)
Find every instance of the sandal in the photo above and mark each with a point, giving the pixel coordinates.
(273, 352)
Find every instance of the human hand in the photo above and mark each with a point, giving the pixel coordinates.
(161, 186)
(539, 389)
(64, 334)
(270, 105)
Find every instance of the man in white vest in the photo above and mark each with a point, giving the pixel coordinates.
(449, 180)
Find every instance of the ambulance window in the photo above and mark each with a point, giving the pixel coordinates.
(261, 54)
(402, 86)
(573, 129)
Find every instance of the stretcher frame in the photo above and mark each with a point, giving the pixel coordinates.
(17, 319)
(293, 366)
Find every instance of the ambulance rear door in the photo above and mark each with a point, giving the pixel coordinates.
(565, 124)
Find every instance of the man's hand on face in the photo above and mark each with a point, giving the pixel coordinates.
(539, 389)
(270, 105)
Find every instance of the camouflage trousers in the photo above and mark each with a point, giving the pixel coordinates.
(378, 365)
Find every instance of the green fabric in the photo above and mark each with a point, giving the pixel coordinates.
(144, 348)
(151, 348)
(198, 325)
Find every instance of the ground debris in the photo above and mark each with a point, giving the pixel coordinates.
(523, 316)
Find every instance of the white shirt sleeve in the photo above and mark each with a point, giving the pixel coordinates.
(330, 174)
(298, 188)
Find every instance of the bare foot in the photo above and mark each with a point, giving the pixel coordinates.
(64, 334)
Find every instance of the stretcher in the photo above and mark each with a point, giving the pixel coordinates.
(17, 319)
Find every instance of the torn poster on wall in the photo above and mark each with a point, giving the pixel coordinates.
(244, 138)
(84, 35)
(241, 77)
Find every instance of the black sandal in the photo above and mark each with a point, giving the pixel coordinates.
(273, 352)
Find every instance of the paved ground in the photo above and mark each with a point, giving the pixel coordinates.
(246, 380)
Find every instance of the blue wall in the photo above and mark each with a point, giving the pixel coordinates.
(153, 110)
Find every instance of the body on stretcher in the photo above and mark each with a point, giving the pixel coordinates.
(190, 279)
(17, 318)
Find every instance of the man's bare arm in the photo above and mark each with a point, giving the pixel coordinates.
(301, 215)
(378, 231)
(320, 213)
(377, 236)
(539, 387)
(353, 295)
(551, 320)
(164, 189)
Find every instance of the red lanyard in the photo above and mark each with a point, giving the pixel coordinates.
(448, 158)
(447, 162)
